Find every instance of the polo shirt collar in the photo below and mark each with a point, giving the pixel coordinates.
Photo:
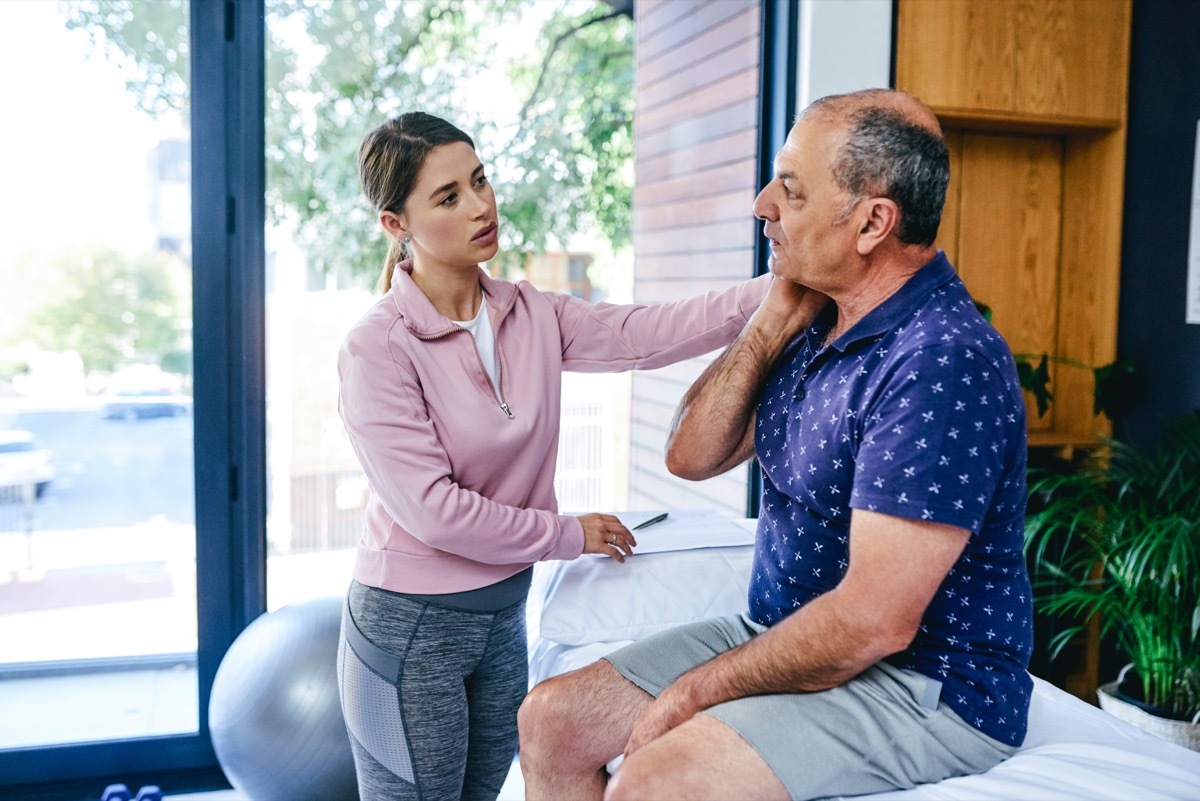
(899, 307)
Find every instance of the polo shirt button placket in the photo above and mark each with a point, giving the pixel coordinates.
(801, 393)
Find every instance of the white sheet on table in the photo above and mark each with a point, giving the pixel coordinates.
(1074, 751)
(688, 529)
(604, 600)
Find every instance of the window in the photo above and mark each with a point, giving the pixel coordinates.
(97, 525)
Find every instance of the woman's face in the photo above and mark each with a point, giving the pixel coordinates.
(450, 216)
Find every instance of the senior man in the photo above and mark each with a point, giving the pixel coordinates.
(889, 610)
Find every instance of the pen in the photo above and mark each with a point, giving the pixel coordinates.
(650, 522)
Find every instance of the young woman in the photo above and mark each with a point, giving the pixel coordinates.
(450, 391)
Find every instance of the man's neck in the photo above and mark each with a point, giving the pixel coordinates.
(881, 279)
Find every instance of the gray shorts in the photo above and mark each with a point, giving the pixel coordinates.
(885, 729)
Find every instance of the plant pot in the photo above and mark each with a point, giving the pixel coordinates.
(1180, 732)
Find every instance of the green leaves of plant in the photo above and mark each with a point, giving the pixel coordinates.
(1120, 538)
(1114, 388)
(1037, 381)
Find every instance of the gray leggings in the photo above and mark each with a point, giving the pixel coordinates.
(430, 695)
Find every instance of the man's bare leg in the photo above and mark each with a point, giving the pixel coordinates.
(702, 758)
(571, 727)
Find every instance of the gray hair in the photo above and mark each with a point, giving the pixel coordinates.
(889, 154)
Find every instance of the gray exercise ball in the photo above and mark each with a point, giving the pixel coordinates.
(275, 716)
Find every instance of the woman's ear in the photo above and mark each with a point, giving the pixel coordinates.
(393, 224)
(880, 220)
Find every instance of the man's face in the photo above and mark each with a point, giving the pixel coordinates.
(803, 209)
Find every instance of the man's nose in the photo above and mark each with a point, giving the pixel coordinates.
(764, 208)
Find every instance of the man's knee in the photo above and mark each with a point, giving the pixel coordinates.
(548, 715)
(580, 719)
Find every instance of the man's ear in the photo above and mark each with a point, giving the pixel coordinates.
(393, 224)
(878, 220)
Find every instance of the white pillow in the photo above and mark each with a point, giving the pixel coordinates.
(596, 599)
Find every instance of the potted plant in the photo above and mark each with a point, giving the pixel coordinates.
(1120, 538)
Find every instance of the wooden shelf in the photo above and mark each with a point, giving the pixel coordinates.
(1016, 122)
(1053, 439)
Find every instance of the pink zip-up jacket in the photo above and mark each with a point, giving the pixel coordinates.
(462, 477)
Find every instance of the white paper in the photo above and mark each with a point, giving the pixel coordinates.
(1193, 282)
(688, 528)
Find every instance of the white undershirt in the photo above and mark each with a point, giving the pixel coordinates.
(485, 341)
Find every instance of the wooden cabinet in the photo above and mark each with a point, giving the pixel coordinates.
(1017, 60)
(1032, 94)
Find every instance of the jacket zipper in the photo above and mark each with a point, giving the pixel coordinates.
(499, 374)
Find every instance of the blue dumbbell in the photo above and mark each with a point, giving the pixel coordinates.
(116, 792)
(149, 793)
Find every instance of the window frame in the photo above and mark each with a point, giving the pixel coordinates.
(777, 79)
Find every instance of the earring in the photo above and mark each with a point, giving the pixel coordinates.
(407, 239)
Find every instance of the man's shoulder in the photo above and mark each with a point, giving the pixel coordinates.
(949, 322)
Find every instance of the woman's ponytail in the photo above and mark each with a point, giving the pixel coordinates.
(396, 254)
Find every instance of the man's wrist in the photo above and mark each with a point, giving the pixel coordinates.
(768, 335)
(691, 693)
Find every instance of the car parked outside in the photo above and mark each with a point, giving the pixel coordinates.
(23, 463)
(135, 404)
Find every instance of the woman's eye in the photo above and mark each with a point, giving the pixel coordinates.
(449, 200)
(481, 180)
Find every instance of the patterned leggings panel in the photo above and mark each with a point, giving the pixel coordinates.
(430, 695)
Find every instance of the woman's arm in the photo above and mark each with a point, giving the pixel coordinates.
(608, 338)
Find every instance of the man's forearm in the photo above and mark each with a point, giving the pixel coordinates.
(710, 429)
(816, 648)
(713, 428)
(841, 633)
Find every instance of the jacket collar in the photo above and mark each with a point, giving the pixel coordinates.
(423, 320)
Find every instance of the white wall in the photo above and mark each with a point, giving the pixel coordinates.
(844, 45)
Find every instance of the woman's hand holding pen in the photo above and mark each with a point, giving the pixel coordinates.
(606, 534)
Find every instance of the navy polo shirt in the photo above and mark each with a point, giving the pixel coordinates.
(915, 412)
